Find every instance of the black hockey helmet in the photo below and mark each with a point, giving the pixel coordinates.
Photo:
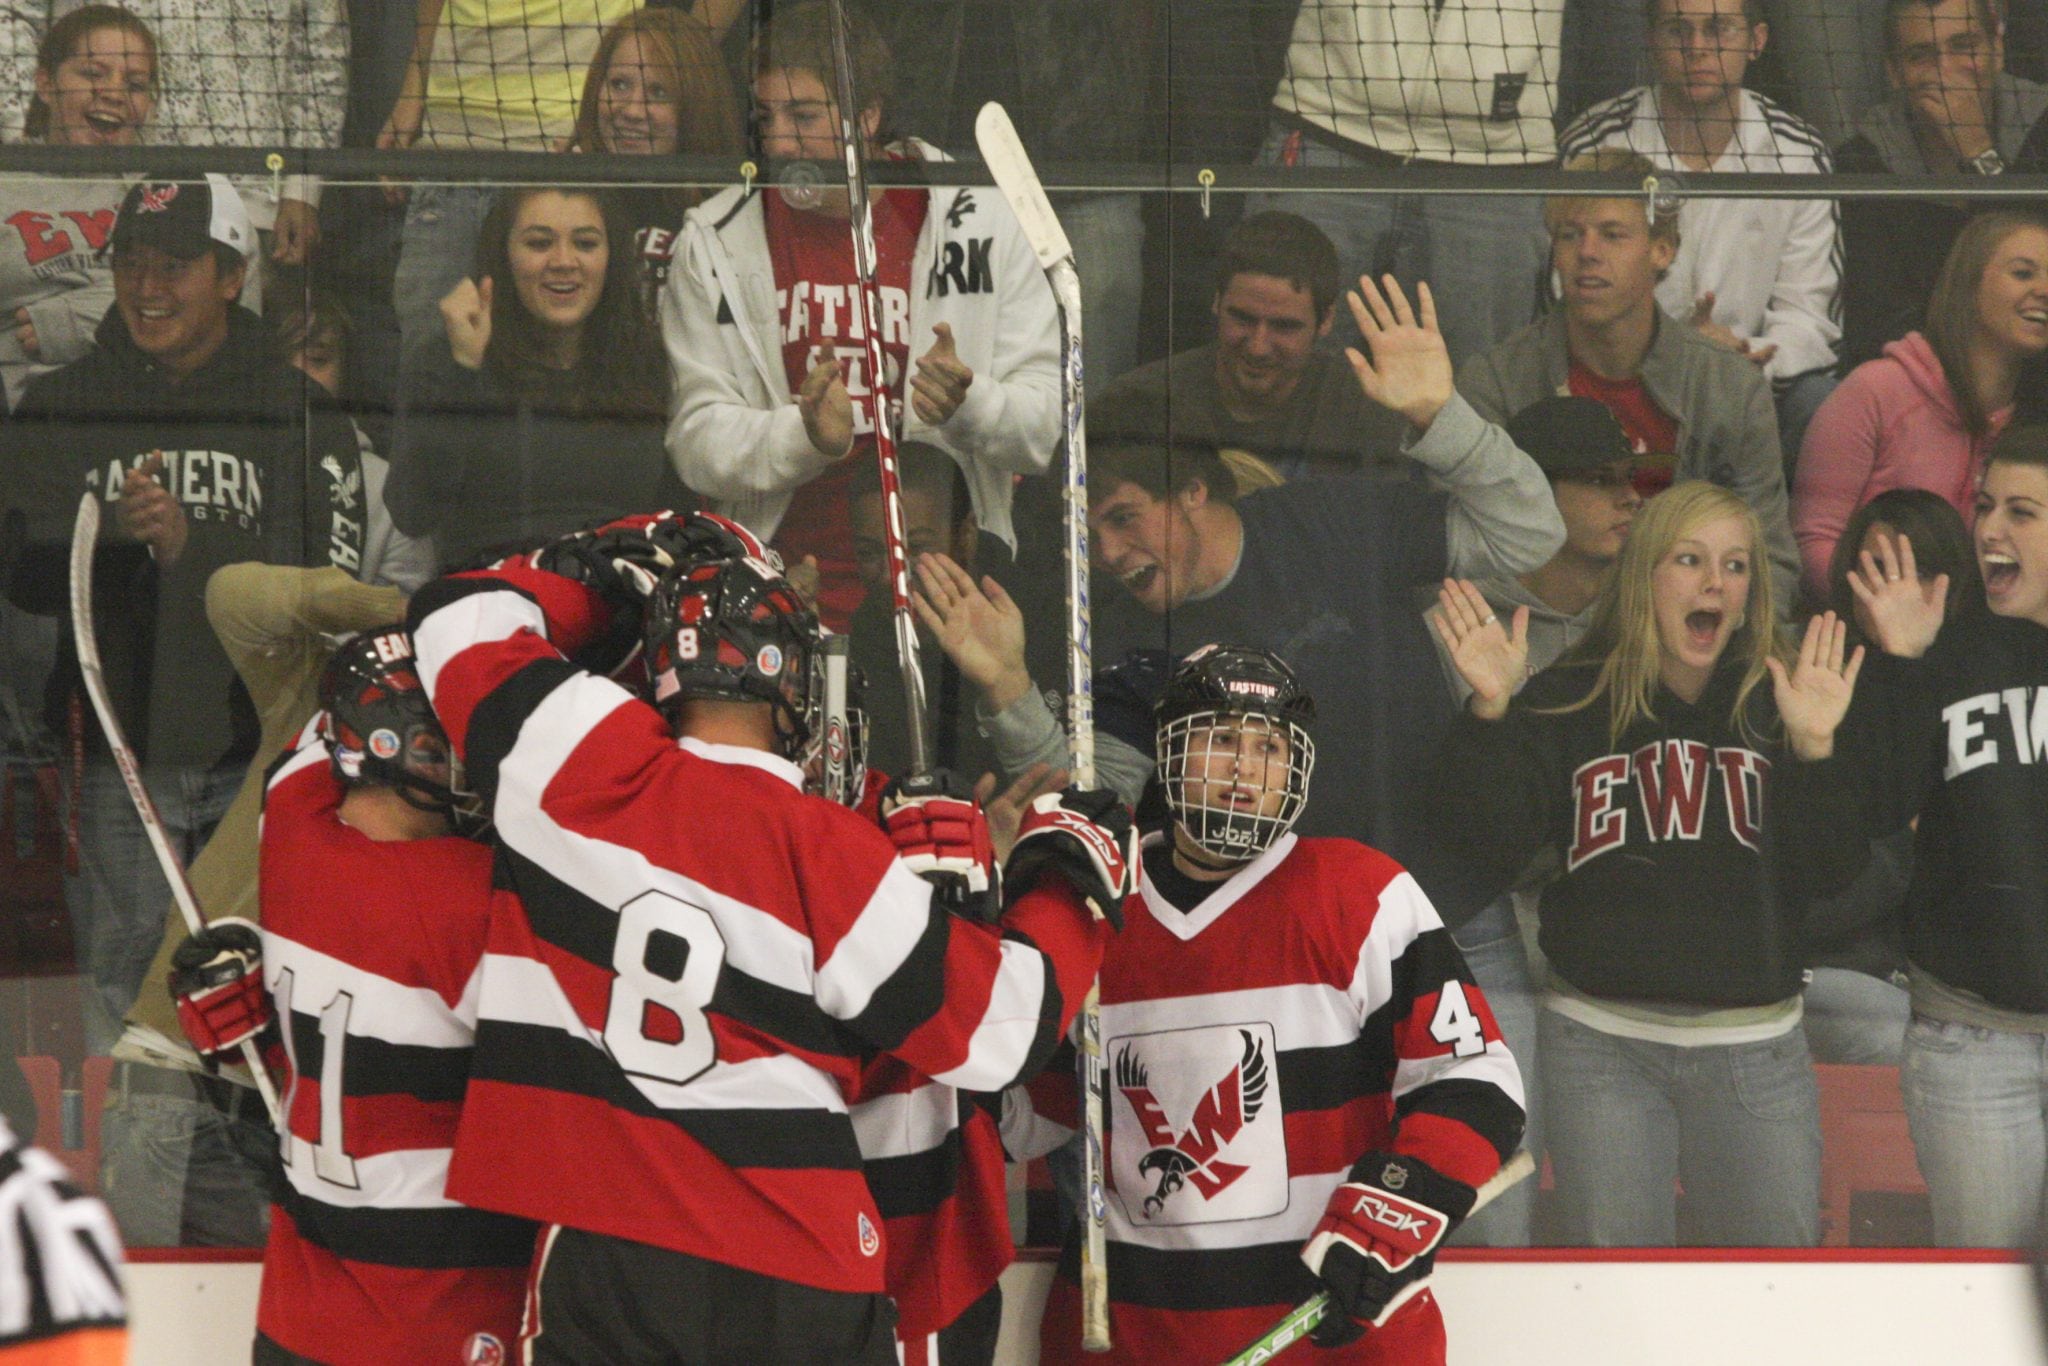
(1211, 689)
(734, 630)
(689, 537)
(380, 729)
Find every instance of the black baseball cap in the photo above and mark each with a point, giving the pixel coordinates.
(1566, 433)
(184, 218)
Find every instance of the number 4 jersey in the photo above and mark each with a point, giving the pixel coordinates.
(1259, 1036)
(371, 952)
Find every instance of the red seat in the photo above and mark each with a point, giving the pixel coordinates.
(46, 1084)
(1865, 1145)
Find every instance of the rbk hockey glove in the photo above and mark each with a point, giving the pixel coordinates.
(942, 835)
(217, 982)
(1086, 838)
(1376, 1243)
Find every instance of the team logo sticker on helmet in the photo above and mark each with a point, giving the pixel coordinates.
(769, 660)
(870, 1241)
(384, 744)
(483, 1349)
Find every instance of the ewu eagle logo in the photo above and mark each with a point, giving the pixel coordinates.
(1194, 1154)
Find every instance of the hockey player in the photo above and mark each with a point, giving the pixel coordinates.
(670, 1026)
(1303, 1082)
(374, 916)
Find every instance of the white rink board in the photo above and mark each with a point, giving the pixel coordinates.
(1526, 1313)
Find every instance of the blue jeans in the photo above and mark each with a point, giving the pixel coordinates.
(442, 223)
(1485, 256)
(1797, 404)
(179, 1172)
(1975, 1101)
(1852, 1017)
(1738, 1124)
(120, 903)
(1109, 244)
(1492, 944)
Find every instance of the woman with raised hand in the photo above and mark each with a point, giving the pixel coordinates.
(543, 411)
(1954, 722)
(659, 87)
(96, 81)
(1679, 766)
(1923, 414)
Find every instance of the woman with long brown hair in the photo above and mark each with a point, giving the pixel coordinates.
(1679, 766)
(543, 410)
(1923, 414)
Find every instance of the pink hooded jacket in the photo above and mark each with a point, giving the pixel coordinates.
(1892, 424)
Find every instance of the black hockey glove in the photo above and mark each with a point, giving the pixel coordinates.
(622, 560)
(1377, 1241)
(942, 835)
(217, 982)
(1086, 838)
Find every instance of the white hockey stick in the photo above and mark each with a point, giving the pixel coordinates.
(85, 535)
(1301, 1320)
(1011, 168)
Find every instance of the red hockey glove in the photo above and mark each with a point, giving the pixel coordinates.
(942, 836)
(1377, 1241)
(217, 981)
(1086, 838)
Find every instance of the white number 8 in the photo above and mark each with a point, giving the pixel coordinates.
(668, 954)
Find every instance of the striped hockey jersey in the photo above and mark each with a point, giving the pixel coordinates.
(60, 1266)
(1309, 1010)
(371, 952)
(671, 1023)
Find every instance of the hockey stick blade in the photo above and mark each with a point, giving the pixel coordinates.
(85, 535)
(1007, 162)
(1301, 1320)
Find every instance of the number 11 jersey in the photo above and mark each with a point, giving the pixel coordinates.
(371, 952)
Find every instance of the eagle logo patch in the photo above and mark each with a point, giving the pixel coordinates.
(1204, 1105)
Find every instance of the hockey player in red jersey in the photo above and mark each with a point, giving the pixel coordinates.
(1304, 1086)
(670, 1026)
(375, 910)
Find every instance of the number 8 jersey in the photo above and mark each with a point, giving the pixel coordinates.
(676, 1008)
(371, 952)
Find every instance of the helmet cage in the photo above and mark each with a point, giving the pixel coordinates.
(1186, 743)
(836, 762)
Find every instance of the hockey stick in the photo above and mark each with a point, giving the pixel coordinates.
(1301, 1320)
(1011, 168)
(85, 535)
(868, 302)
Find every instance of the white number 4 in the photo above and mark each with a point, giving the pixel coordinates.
(1455, 1023)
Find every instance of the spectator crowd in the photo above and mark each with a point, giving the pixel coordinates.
(1669, 570)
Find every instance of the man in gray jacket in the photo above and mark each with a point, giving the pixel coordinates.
(1682, 400)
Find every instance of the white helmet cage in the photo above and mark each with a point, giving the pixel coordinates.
(1188, 743)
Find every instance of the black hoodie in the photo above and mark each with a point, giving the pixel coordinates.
(1959, 738)
(261, 475)
(1687, 848)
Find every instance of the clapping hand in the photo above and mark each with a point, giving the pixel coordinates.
(827, 410)
(1899, 611)
(1813, 694)
(939, 385)
(1410, 368)
(1492, 660)
(148, 512)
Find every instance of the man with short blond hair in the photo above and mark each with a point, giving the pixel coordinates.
(1686, 403)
